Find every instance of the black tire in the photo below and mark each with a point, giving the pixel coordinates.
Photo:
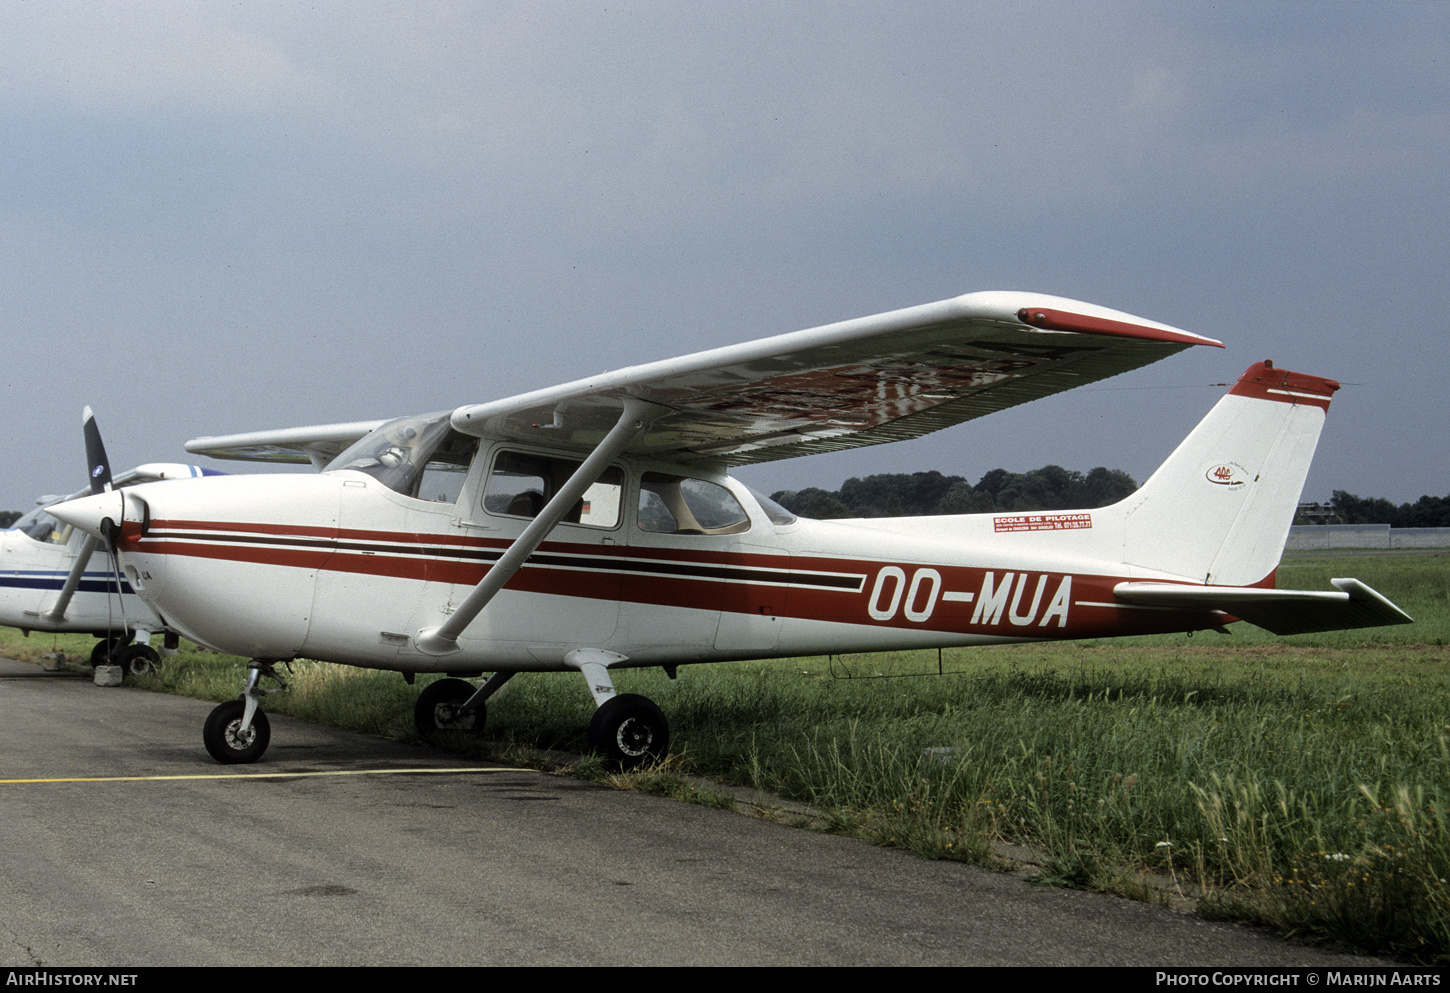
(222, 740)
(630, 731)
(101, 654)
(434, 710)
(139, 659)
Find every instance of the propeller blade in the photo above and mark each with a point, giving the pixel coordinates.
(97, 465)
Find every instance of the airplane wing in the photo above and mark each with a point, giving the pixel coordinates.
(876, 379)
(148, 473)
(867, 381)
(1279, 611)
(317, 444)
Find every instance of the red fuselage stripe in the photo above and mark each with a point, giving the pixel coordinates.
(911, 596)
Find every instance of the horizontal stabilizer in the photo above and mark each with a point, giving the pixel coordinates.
(1279, 611)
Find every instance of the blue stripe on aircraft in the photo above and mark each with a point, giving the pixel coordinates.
(56, 581)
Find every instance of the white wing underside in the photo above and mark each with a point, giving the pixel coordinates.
(889, 377)
(317, 444)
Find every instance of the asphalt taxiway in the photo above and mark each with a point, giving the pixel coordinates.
(126, 845)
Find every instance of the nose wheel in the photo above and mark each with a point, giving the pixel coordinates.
(228, 741)
(237, 731)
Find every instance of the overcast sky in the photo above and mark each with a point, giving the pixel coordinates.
(229, 217)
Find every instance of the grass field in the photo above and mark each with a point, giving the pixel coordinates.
(1302, 783)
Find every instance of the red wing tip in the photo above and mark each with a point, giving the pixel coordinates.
(1063, 320)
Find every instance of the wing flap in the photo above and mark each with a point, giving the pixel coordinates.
(868, 381)
(1281, 612)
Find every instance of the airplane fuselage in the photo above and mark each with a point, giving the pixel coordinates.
(35, 563)
(339, 567)
(591, 526)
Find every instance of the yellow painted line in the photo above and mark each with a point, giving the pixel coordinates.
(261, 775)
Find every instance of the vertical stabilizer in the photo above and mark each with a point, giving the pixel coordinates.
(1219, 510)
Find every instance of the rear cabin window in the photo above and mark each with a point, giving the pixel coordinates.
(520, 484)
(685, 505)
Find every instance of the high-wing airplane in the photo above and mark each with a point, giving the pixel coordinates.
(592, 526)
(51, 579)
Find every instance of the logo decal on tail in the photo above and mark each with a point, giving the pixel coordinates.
(1227, 474)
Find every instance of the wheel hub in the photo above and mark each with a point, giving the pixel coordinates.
(445, 715)
(634, 737)
(238, 739)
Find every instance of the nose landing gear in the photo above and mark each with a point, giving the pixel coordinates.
(231, 742)
(237, 732)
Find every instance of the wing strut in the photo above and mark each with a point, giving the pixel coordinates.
(73, 580)
(637, 415)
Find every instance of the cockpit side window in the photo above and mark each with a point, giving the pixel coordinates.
(418, 456)
(522, 483)
(684, 505)
(42, 527)
(443, 474)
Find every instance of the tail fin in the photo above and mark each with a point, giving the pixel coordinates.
(1218, 511)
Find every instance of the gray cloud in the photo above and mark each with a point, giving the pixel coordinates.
(226, 218)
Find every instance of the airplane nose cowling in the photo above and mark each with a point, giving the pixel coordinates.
(91, 512)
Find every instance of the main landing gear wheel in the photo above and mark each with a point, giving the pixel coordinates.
(101, 654)
(437, 705)
(225, 740)
(630, 731)
(138, 659)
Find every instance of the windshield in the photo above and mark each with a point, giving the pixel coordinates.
(42, 527)
(418, 456)
(39, 525)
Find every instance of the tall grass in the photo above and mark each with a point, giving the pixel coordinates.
(1252, 785)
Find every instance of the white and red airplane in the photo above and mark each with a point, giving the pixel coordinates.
(592, 526)
(51, 580)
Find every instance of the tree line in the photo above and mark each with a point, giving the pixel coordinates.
(920, 493)
(1426, 512)
(1055, 488)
